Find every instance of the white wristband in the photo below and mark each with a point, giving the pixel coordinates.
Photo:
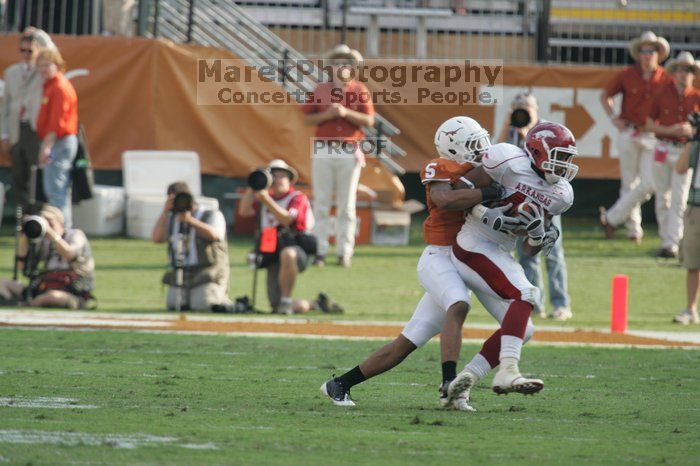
(469, 184)
(478, 211)
(534, 242)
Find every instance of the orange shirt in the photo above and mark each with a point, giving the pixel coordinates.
(669, 107)
(354, 95)
(636, 92)
(59, 108)
(441, 226)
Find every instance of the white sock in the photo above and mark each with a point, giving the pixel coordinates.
(510, 347)
(478, 366)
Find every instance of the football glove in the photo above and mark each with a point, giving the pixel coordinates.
(550, 237)
(534, 223)
(496, 217)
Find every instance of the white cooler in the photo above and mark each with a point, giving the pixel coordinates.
(147, 175)
(103, 215)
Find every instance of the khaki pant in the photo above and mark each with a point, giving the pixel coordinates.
(671, 195)
(199, 298)
(636, 180)
(335, 176)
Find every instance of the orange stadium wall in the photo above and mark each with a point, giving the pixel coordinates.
(142, 94)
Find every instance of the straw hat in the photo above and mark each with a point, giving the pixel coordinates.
(649, 38)
(682, 59)
(343, 51)
(279, 164)
(525, 100)
(52, 213)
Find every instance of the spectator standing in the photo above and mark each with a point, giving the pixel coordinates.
(668, 119)
(57, 127)
(199, 236)
(23, 91)
(523, 117)
(340, 110)
(637, 84)
(690, 247)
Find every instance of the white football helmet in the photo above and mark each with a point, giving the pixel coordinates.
(462, 139)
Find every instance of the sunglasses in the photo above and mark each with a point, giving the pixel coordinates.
(687, 69)
(647, 51)
(25, 50)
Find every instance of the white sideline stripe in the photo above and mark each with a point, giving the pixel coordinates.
(127, 441)
(61, 320)
(682, 337)
(43, 402)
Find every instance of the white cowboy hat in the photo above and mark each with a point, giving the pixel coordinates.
(344, 51)
(682, 59)
(279, 164)
(524, 100)
(649, 37)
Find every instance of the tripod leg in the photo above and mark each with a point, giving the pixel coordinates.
(18, 233)
(255, 286)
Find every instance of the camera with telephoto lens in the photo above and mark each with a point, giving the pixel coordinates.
(520, 118)
(34, 228)
(260, 179)
(694, 119)
(183, 202)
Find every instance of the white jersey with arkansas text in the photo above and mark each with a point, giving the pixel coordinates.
(510, 166)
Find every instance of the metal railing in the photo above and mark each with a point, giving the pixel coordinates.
(223, 24)
(599, 31)
(53, 16)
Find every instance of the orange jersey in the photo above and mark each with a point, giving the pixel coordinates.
(441, 226)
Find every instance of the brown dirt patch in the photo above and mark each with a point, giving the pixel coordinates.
(348, 329)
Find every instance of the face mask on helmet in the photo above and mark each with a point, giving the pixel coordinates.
(476, 146)
(558, 164)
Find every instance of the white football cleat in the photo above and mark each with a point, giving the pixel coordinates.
(507, 381)
(455, 395)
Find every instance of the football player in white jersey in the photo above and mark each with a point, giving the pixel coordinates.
(460, 142)
(537, 186)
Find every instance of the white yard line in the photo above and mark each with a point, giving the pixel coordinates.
(127, 441)
(43, 402)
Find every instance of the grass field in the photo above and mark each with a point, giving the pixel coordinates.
(161, 399)
(108, 397)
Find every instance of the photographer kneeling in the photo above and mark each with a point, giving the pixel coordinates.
(285, 246)
(68, 276)
(198, 252)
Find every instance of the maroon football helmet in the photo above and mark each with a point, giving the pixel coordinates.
(551, 148)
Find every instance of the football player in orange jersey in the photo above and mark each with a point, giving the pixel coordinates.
(460, 142)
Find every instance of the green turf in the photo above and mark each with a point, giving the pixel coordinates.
(256, 401)
(382, 284)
